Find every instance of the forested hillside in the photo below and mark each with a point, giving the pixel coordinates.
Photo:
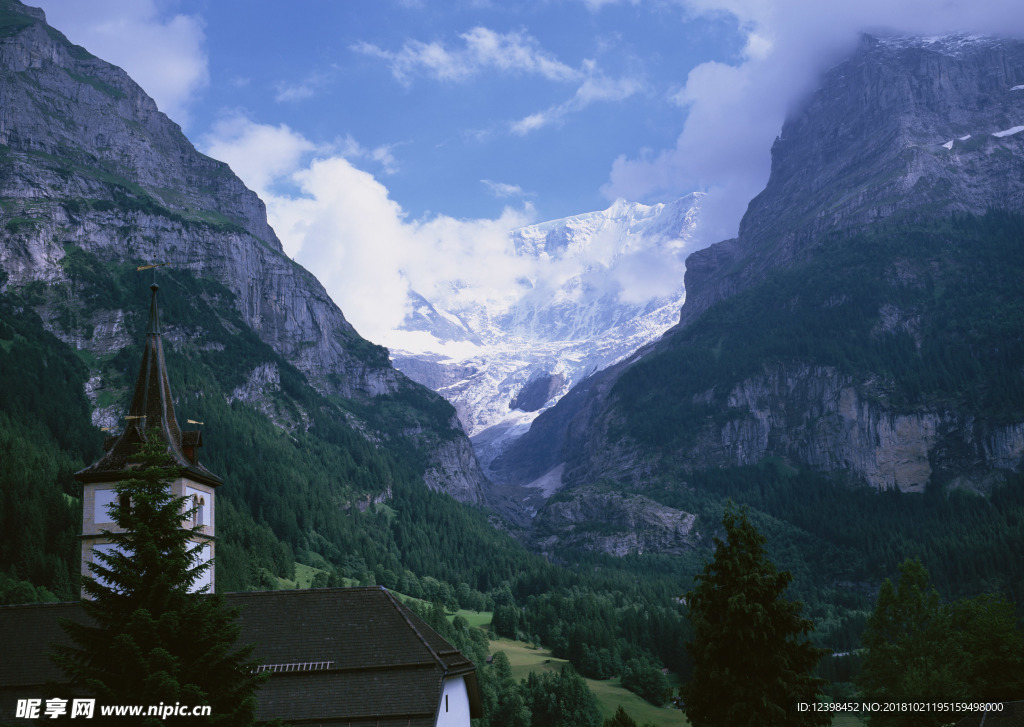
(928, 314)
(921, 320)
(301, 495)
(858, 387)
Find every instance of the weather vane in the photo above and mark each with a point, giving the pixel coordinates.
(152, 267)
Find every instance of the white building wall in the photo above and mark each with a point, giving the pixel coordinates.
(97, 496)
(201, 493)
(454, 708)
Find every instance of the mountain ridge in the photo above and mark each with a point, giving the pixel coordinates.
(902, 124)
(584, 304)
(90, 163)
(823, 191)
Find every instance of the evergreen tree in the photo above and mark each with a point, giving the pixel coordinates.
(510, 708)
(560, 699)
(752, 664)
(907, 649)
(620, 719)
(505, 620)
(151, 641)
(919, 649)
(644, 678)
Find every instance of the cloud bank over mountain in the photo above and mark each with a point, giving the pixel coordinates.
(731, 112)
(340, 222)
(486, 111)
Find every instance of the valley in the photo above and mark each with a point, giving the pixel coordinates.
(595, 287)
(552, 458)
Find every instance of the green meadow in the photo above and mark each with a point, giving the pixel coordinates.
(525, 658)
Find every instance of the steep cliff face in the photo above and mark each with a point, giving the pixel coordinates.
(88, 159)
(818, 417)
(906, 128)
(615, 524)
(88, 162)
(861, 321)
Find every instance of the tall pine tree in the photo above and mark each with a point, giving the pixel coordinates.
(751, 661)
(919, 649)
(150, 639)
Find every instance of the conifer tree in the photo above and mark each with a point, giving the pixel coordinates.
(560, 699)
(151, 640)
(751, 661)
(919, 649)
(509, 708)
(621, 718)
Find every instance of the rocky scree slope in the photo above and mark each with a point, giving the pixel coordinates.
(88, 161)
(862, 322)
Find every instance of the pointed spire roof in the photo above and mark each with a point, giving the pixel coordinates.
(151, 412)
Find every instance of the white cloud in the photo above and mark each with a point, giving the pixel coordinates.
(164, 53)
(500, 189)
(514, 53)
(601, 88)
(382, 155)
(595, 87)
(289, 91)
(293, 92)
(350, 234)
(264, 156)
(531, 123)
(258, 153)
(483, 49)
(360, 244)
(734, 111)
(341, 224)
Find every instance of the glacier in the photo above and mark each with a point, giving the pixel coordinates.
(596, 287)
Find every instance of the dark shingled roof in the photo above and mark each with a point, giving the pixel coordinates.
(152, 407)
(26, 633)
(374, 662)
(386, 662)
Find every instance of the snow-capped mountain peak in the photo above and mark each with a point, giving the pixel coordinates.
(594, 287)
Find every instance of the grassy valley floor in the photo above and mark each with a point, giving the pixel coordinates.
(525, 658)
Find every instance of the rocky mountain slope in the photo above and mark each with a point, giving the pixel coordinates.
(88, 163)
(865, 322)
(906, 128)
(602, 285)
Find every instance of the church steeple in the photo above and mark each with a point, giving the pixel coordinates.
(151, 411)
(151, 414)
(152, 405)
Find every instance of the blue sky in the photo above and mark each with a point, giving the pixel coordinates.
(392, 136)
(459, 107)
